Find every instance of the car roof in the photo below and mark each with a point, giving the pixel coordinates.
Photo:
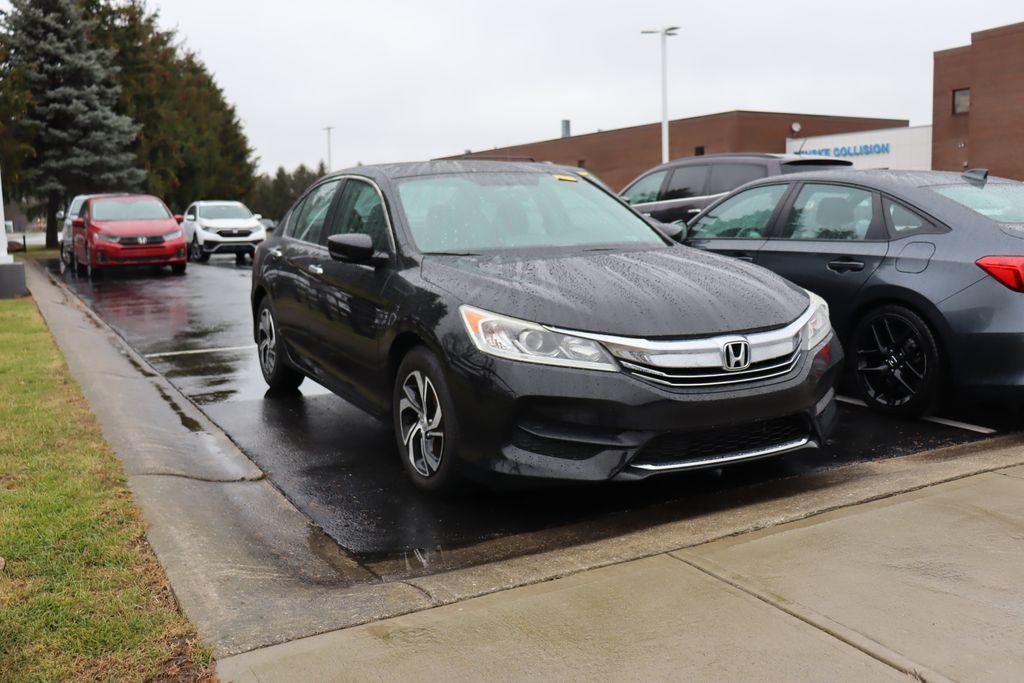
(122, 196)
(218, 202)
(756, 156)
(445, 166)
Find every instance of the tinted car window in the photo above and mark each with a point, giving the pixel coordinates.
(309, 218)
(830, 212)
(745, 215)
(727, 177)
(904, 221)
(645, 189)
(687, 181)
(360, 210)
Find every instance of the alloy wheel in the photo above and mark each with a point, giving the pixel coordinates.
(891, 360)
(267, 342)
(422, 423)
(195, 251)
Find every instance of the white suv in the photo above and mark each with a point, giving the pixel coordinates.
(217, 227)
(66, 242)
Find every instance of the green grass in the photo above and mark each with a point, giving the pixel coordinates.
(81, 593)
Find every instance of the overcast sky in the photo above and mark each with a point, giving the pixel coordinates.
(413, 80)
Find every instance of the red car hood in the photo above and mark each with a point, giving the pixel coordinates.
(157, 227)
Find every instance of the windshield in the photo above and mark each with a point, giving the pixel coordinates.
(215, 211)
(471, 212)
(76, 206)
(1002, 202)
(133, 209)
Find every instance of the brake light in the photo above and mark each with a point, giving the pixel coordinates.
(1009, 270)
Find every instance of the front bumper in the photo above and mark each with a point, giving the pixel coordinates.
(533, 421)
(216, 243)
(104, 254)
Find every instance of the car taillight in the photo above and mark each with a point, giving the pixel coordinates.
(1009, 270)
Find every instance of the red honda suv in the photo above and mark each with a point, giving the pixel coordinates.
(122, 230)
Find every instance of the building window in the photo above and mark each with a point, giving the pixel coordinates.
(961, 101)
(698, 151)
(582, 163)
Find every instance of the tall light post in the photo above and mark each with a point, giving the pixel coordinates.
(329, 129)
(664, 33)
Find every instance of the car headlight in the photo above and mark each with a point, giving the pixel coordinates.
(514, 339)
(104, 237)
(173, 235)
(818, 328)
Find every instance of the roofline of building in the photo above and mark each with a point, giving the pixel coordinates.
(731, 112)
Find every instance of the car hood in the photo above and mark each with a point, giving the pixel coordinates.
(670, 292)
(156, 227)
(230, 223)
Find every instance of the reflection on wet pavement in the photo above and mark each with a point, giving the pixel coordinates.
(340, 466)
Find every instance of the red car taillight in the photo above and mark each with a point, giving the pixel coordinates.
(1009, 270)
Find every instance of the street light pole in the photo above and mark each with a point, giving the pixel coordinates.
(329, 129)
(664, 33)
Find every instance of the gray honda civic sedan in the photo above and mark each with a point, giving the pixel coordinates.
(923, 272)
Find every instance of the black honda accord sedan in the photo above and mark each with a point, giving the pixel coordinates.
(516, 319)
(923, 272)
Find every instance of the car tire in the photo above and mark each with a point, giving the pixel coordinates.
(65, 254)
(270, 347)
(239, 259)
(78, 267)
(421, 405)
(91, 271)
(196, 252)
(179, 268)
(896, 363)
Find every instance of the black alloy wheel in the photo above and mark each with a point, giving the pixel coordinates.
(196, 253)
(270, 347)
(897, 365)
(426, 427)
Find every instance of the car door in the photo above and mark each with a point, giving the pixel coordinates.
(683, 196)
(188, 225)
(830, 239)
(352, 308)
(739, 224)
(297, 258)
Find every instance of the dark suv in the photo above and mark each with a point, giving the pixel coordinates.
(680, 189)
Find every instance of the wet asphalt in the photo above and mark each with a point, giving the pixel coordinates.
(340, 467)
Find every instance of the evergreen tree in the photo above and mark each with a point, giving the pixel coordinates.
(79, 143)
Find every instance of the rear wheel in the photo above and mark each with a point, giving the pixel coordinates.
(897, 365)
(276, 371)
(426, 426)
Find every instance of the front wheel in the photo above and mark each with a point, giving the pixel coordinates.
(426, 426)
(898, 368)
(276, 372)
(196, 253)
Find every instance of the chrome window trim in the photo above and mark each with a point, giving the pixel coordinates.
(778, 449)
(705, 352)
(383, 203)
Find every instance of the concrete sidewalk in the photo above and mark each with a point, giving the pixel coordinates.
(928, 583)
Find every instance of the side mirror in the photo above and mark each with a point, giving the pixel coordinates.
(77, 222)
(60, 215)
(674, 231)
(257, 216)
(355, 246)
(178, 217)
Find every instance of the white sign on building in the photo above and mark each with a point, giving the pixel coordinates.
(907, 148)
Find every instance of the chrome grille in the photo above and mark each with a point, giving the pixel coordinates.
(234, 232)
(140, 240)
(714, 376)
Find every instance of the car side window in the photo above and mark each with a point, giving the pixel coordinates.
(190, 213)
(904, 221)
(727, 177)
(745, 215)
(645, 189)
(360, 209)
(830, 212)
(308, 219)
(687, 181)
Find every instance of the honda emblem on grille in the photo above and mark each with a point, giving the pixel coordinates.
(736, 355)
(143, 239)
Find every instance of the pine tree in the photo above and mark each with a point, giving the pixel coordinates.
(79, 142)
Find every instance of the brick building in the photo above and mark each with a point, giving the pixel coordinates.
(618, 156)
(978, 104)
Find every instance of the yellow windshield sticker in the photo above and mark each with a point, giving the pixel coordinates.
(562, 176)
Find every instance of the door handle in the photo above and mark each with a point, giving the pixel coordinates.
(276, 253)
(845, 265)
(693, 211)
(742, 255)
(316, 270)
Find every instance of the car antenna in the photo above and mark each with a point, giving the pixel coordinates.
(980, 174)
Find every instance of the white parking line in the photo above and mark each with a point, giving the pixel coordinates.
(929, 418)
(194, 352)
